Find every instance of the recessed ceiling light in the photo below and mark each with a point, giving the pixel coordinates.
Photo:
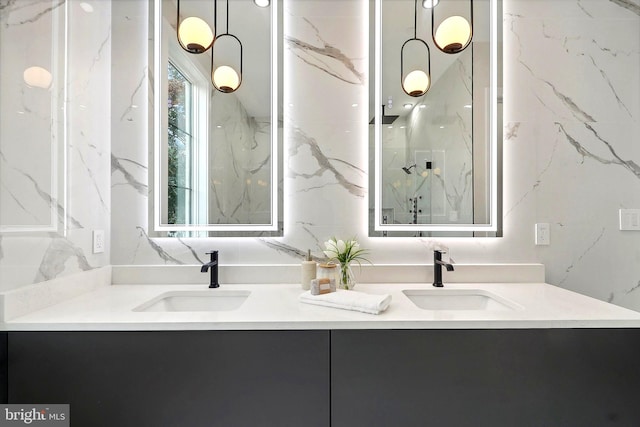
(423, 106)
(354, 105)
(402, 127)
(219, 126)
(441, 127)
(86, 7)
(428, 4)
(261, 3)
(467, 106)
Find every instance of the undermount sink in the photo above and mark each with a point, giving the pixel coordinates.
(458, 299)
(209, 300)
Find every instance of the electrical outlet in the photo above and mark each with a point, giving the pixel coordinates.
(543, 234)
(630, 219)
(98, 241)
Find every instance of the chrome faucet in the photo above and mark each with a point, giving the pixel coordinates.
(213, 266)
(437, 268)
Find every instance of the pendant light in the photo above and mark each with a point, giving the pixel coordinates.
(225, 78)
(194, 34)
(417, 82)
(454, 34)
(37, 77)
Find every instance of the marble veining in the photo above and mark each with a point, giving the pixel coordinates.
(12, 6)
(105, 44)
(164, 255)
(632, 166)
(584, 253)
(582, 51)
(41, 193)
(324, 164)
(511, 131)
(318, 56)
(116, 165)
(610, 84)
(53, 262)
(284, 248)
(93, 179)
(126, 115)
(192, 250)
(538, 181)
(627, 4)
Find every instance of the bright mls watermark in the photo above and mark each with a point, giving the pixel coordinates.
(34, 415)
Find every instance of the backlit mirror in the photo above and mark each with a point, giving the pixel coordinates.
(33, 129)
(435, 158)
(215, 160)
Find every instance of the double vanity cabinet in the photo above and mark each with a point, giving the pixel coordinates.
(543, 356)
(338, 378)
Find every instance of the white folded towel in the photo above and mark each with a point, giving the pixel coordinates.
(349, 300)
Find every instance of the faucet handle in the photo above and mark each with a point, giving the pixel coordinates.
(437, 253)
(214, 255)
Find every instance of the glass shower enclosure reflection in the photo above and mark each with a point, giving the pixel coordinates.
(427, 170)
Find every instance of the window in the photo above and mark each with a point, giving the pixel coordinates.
(180, 148)
(188, 93)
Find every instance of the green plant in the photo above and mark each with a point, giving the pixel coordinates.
(344, 251)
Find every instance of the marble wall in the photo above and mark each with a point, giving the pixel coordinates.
(70, 134)
(571, 150)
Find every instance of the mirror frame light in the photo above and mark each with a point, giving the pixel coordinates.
(271, 228)
(494, 224)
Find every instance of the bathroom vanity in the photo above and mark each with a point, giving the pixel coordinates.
(536, 355)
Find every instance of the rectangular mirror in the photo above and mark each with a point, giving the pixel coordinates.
(33, 118)
(216, 156)
(435, 158)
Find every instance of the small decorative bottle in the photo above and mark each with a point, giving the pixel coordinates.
(329, 271)
(308, 271)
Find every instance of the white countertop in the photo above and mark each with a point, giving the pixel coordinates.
(273, 307)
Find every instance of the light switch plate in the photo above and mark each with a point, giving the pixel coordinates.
(630, 219)
(543, 234)
(98, 241)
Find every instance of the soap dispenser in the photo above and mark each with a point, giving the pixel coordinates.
(308, 271)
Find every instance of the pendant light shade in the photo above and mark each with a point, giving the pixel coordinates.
(225, 79)
(418, 81)
(37, 77)
(194, 34)
(454, 34)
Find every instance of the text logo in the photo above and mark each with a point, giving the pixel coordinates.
(34, 415)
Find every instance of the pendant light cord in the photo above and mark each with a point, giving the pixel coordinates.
(415, 19)
(227, 17)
